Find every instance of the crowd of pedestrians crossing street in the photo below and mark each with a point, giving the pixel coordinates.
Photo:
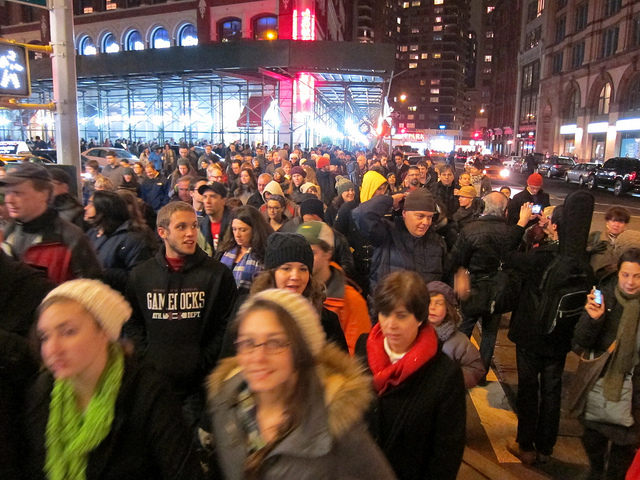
(282, 312)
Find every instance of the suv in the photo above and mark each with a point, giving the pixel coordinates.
(556, 166)
(621, 173)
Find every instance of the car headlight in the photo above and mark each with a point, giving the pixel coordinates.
(504, 173)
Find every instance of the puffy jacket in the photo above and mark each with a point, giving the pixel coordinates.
(119, 253)
(348, 304)
(394, 247)
(179, 318)
(457, 346)
(155, 191)
(54, 245)
(481, 245)
(330, 443)
(148, 437)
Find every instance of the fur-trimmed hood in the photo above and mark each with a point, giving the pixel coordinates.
(347, 390)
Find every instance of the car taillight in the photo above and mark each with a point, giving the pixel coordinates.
(632, 176)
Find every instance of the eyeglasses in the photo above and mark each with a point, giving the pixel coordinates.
(274, 208)
(273, 346)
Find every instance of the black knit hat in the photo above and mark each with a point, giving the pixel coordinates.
(287, 247)
(312, 206)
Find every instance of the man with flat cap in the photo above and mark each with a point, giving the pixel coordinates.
(38, 236)
(217, 217)
(407, 243)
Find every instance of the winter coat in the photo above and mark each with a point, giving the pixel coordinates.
(327, 183)
(331, 442)
(445, 194)
(457, 346)
(22, 288)
(205, 230)
(155, 191)
(54, 245)
(18, 369)
(119, 253)
(395, 248)
(420, 424)
(464, 216)
(598, 335)
(179, 318)
(345, 301)
(513, 212)
(115, 174)
(148, 437)
(70, 209)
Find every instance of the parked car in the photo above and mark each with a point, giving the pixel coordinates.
(579, 173)
(556, 166)
(509, 162)
(100, 154)
(620, 173)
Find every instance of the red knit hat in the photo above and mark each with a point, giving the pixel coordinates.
(322, 162)
(535, 180)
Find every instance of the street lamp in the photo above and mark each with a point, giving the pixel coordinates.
(403, 97)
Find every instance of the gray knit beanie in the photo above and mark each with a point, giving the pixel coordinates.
(343, 184)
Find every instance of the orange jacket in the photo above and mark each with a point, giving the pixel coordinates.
(348, 304)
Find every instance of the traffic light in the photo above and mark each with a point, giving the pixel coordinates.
(476, 135)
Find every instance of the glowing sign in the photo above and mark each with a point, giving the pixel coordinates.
(14, 71)
(304, 25)
(304, 92)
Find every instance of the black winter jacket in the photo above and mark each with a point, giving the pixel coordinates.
(420, 424)
(394, 247)
(445, 194)
(179, 318)
(119, 253)
(148, 437)
(513, 212)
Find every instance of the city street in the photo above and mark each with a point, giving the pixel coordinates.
(490, 410)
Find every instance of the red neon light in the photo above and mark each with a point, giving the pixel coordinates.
(304, 25)
(304, 92)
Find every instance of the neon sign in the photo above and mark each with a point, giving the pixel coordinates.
(304, 25)
(14, 71)
(304, 92)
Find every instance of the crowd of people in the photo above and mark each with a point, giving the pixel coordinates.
(270, 313)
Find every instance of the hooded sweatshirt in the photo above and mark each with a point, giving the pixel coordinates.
(371, 181)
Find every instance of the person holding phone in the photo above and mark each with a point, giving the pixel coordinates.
(612, 313)
(532, 194)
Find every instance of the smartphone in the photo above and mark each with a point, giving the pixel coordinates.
(536, 209)
(598, 297)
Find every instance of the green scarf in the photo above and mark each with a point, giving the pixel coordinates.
(624, 356)
(71, 434)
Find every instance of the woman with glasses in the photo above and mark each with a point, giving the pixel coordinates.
(276, 205)
(289, 405)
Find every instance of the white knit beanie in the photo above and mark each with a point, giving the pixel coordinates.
(107, 306)
(304, 314)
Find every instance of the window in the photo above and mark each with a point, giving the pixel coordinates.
(86, 46)
(633, 98)
(531, 75)
(434, 100)
(134, 41)
(490, 9)
(438, 2)
(635, 40)
(487, 58)
(532, 10)
(577, 55)
(561, 25)
(424, 56)
(415, 3)
(230, 30)
(413, 56)
(265, 28)
(532, 38)
(574, 105)
(556, 62)
(160, 38)
(405, 5)
(404, 48)
(437, 28)
(435, 82)
(435, 91)
(437, 37)
(609, 42)
(437, 55)
(611, 7)
(414, 48)
(110, 44)
(489, 34)
(529, 108)
(111, 5)
(438, 19)
(411, 125)
(423, 82)
(188, 36)
(582, 14)
(413, 65)
(604, 99)
(413, 108)
(415, 30)
(486, 71)
(410, 117)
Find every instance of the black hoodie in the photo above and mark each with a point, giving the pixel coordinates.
(179, 318)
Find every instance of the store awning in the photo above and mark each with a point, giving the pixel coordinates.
(254, 111)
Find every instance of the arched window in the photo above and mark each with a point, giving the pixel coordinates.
(265, 28)
(633, 97)
(134, 41)
(230, 30)
(573, 105)
(604, 99)
(86, 46)
(110, 44)
(160, 38)
(188, 36)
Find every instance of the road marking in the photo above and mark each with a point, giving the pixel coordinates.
(496, 416)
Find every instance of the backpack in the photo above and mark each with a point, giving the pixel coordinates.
(569, 277)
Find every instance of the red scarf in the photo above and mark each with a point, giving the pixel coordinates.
(386, 374)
